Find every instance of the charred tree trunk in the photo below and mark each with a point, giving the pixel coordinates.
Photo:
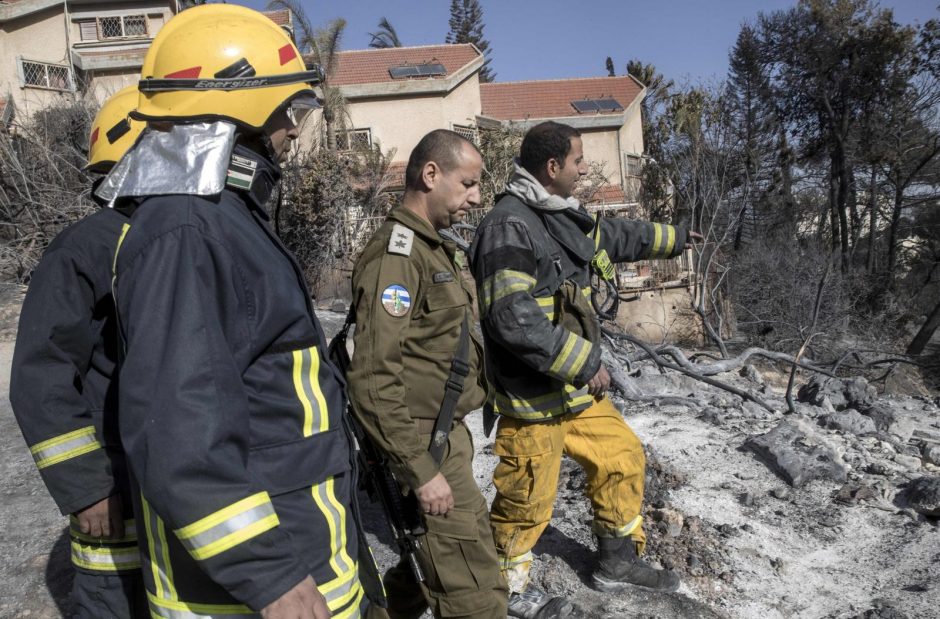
(926, 332)
(872, 220)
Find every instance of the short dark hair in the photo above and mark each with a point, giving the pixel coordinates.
(544, 141)
(441, 146)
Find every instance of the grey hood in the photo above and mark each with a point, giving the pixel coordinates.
(526, 188)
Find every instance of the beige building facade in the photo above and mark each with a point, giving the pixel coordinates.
(54, 51)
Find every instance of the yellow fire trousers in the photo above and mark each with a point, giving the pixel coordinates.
(526, 480)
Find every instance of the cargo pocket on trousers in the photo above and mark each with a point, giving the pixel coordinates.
(462, 569)
(521, 454)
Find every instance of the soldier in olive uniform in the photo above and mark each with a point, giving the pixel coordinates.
(410, 305)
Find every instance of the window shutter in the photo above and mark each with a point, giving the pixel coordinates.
(89, 30)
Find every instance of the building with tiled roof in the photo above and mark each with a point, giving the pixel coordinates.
(52, 50)
(396, 95)
(606, 110)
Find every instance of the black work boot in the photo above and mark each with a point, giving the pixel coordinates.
(619, 567)
(533, 603)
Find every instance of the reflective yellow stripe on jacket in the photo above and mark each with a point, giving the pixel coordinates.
(543, 407)
(664, 241)
(229, 527)
(307, 386)
(570, 359)
(65, 447)
(501, 284)
(105, 555)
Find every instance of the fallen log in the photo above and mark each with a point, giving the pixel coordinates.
(694, 373)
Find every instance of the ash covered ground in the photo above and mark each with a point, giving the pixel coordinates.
(829, 513)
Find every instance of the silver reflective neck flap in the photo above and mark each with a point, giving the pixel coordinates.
(188, 159)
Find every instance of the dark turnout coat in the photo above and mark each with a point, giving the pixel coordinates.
(231, 411)
(532, 268)
(61, 384)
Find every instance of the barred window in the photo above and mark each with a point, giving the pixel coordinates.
(122, 26)
(46, 75)
(354, 139)
(467, 132)
(633, 165)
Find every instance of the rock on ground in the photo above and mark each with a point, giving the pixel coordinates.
(839, 393)
(850, 421)
(796, 451)
(923, 495)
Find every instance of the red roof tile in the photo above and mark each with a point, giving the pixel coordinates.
(608, 194)
(370, 66)
(552, 98)
(280, 17)
(396, 174)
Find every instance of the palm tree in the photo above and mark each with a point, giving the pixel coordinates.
(321, 45)
(385, 36)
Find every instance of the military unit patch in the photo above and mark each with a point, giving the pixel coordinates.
(396, 300)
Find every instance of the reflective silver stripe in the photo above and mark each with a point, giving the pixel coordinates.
(65, 447)
(156, 541)
(503, 283)
(545, 406)
(197, 542)
(186, 610)
(337, 526)
(312, 396)
(507, 562)
(571, 358)
(105, 559)
(339, 587)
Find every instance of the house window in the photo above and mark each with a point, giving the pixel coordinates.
(465, 131)
(122, 27)
(45, 75)
(354, 139)
(633, 165)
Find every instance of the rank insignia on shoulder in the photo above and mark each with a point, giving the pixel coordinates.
(396, 300)
(442, 276)
(241, 172)
(401, 240)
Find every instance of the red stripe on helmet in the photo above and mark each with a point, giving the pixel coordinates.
(94, 136)
(190, 73)
(287, 53)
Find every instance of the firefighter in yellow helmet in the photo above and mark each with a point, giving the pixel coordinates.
(231, 412)
(62, 391)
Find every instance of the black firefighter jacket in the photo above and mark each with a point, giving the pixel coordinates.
(532, 268)
(231, 411)
(61, 384)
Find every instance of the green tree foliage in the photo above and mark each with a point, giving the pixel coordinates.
(466, 26)
(322, 46)
(385, 36)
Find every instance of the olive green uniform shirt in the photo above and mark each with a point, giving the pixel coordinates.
(410, 302)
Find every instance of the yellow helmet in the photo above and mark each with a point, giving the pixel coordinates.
(113, 131)
(223, 61)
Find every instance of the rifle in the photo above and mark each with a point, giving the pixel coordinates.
(402, 513)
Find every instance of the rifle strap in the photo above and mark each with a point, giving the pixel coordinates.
(459, 369)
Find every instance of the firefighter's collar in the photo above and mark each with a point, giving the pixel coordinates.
(252, 174)
(188, 159)
(421, 227)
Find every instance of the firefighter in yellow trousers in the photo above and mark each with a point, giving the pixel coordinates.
(532, 259)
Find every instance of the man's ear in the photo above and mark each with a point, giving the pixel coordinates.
(552, 168)
(430, 174)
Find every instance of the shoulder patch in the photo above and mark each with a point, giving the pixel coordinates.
(401, 240)
(396, 300)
